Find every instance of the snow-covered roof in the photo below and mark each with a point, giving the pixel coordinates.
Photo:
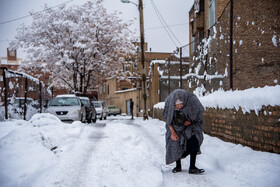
(128, 90)
(82, 97)
(165, 62)
(66, 95)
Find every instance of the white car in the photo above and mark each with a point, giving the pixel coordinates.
(16, 108)
(113, 110)
(101, 109)
(67, 107)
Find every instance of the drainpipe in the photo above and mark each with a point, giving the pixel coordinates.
(231, 45)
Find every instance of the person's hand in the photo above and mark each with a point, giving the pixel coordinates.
(174, 137)
(187, 123)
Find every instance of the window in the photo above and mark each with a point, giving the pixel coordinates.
(198, 5)
(126, 67)
(64, 101)
(201, 34)
(135, 64)
(47, 81)
(85, 102)
(201, 5)
(212, 12)
(193, 44)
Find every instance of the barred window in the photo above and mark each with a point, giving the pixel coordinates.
(212, 12)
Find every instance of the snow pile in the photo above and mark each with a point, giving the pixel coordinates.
(28, 147)
(119, 152)
(247, 100)
(274, 40)
(250, 99)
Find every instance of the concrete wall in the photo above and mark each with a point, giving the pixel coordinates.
(119, 99)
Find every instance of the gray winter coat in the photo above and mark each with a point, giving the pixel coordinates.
(193, 111)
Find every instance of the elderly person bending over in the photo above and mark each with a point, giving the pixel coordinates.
(183, 114)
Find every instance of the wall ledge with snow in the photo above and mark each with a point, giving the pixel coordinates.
(250, 117)
(248, 100)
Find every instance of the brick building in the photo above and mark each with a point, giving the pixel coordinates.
(235, 44)
(119, 92)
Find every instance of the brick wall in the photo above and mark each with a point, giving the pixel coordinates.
(260, 132)
(256, 58)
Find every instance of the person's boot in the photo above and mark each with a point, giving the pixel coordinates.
(193, 169)
(178, 167)
(196, 171)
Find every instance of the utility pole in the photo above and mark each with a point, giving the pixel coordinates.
(181, 71)
(144, 78)
(231, 45)
(168, 75)
(142, 43)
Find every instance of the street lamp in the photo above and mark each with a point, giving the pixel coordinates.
(140, 8)
(127, 1)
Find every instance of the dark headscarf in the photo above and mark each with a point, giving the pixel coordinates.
(192, 107)
(193, 111)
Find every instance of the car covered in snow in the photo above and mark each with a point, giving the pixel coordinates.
(16, 107)
(101, 109)
(113, 110)
(90, 109)
(67, 107)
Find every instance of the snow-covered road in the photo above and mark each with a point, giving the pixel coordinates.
(129, 155)
(122, 152)
(108, 153)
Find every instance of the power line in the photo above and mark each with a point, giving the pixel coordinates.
(159, 27)
(164, 24)
(4, 22)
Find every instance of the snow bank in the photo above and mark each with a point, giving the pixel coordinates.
(250, 99)
(247, 100)
(28, 147)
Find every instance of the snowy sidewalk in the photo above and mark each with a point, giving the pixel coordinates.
(120, 152)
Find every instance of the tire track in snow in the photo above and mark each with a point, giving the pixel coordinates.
(93, 138)
(72, 161)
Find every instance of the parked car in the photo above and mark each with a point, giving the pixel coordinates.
(113, 110)
(16, 107)
(67, 107)
(90, 109)
(101, 109)
(19, 102)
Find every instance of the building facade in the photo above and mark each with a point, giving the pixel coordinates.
(116, 92)
(235, 44)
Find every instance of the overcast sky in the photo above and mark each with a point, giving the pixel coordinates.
(174, 13)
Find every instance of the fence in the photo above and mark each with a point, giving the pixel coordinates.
(21, 95)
